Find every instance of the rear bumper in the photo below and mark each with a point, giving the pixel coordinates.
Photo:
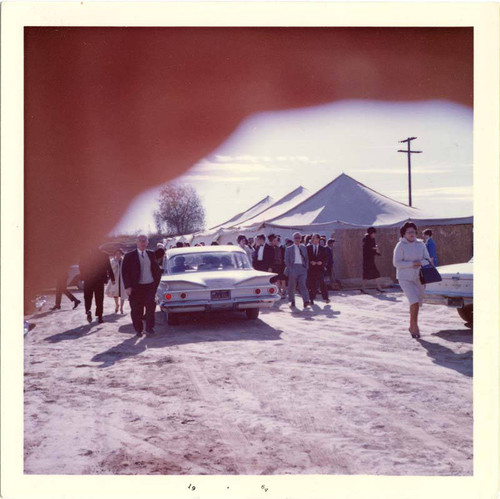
(206, 306)
(455, 300)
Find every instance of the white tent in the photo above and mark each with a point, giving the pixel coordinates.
(257, 223)
(281, 206)
(345, 203)
(207, 237)
(346, 200)
(254, 210)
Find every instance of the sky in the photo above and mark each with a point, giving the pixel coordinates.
(272, 153)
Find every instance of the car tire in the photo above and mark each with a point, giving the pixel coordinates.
(172, 319)
(252, 313)
(466, 313)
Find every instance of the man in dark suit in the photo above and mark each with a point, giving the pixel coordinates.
(141, 276)
(263, 256)
(318, 258)
(95, 269)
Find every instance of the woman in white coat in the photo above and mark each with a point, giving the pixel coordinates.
(409, 255)
(116, 290)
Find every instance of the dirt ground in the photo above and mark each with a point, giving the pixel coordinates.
(340, 389)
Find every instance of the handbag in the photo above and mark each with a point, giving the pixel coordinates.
(429, 274)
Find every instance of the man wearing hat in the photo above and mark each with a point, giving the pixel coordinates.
(296, 262)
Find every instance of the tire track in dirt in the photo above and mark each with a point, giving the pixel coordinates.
(338, 460)
(321, 454)
(230, 433)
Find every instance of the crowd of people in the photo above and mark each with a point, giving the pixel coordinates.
(304, 263)
(267, 253)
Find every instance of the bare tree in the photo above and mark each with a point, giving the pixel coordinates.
(180, 210)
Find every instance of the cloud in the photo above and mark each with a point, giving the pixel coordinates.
(403, 171)
(234, 167)
(216, 178)
(244, 167)
(249, 158)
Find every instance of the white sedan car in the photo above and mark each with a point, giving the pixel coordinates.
(213, 278)
(455, 290)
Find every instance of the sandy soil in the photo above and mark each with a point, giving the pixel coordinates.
(342, 389)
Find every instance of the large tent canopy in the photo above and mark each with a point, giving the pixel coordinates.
(348, 201)
(344, 203)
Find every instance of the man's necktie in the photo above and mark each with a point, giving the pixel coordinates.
(142, 254)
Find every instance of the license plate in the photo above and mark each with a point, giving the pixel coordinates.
(455, 302)
(220, 295)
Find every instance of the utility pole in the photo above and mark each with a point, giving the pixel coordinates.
(407, 151)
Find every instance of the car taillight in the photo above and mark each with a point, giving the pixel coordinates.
(271, 290)
(257, 291)
(183, 295)
(168, 296)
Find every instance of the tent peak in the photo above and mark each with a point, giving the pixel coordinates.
(263, 201)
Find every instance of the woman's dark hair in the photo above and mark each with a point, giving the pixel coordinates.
(371, 230)
(405, 227)
(428, 232)
(240, 238)
(271, 238)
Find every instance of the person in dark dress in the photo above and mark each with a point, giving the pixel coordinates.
(276, 261)
(370, 251)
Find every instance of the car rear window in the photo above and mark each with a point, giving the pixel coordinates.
(209, 261)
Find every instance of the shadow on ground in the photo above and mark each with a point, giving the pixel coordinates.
(211, 327)
(444, 356)
(456, 335)
(80, 331)
(315, 311)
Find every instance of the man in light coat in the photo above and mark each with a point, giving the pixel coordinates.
(296, 262)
